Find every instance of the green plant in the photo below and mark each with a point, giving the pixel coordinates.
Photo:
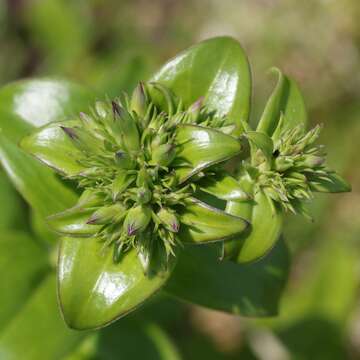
(144, 178)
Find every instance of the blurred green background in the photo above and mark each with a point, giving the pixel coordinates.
(109, 45)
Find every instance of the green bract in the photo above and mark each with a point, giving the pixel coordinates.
(144, 179)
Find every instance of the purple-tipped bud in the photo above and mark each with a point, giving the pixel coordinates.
(124, 160)
(143, 195)
(139, 100)
(197, 105)
(169, 220)
(106, 214)
(137, 219)
(313, 161)
(70, 132)
(163, 155)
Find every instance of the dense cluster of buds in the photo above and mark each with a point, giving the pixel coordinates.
(139, 167)
(288, 166)
(144, 162)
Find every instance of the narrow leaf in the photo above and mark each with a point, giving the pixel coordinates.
(35, 182)
(73, 222)
(335, 184)
(286, 101)
(224, 187)
(52, 146)
(266, 226)
(201, 147)
(203, 223)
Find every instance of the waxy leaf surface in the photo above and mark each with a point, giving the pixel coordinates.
(202, 147)
(94, 290)
(73, 222)
(35, 182)
(224, 187)
(32, 103)
(286, 101)
(216, 69)
(53, 147)
(203, 223)
(266, 225)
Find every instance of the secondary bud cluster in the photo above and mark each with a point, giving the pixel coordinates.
(294, 169)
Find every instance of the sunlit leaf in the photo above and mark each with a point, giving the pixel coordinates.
(265, 230)
(216, 69)
(203, 223)
(94, 290)
(285, 102)
(53, 147)
(201, 147)
(224, 187)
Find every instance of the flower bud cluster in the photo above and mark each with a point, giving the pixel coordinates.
(128, 152)
(293, 170)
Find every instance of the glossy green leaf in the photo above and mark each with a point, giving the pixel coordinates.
(73, 222)
(216, 69)
(224, 187)
(244, 289)
(35, 182)
(38, 331)
(201, 223)
(201, 147)
(286, 101)
(53, 147)
(94, 290)
(266, 225)
(27, 104)
(261, 141)
(22, 265)
(37, 102)
(336, 184)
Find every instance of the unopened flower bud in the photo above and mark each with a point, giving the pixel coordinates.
(139, 100)
(283, 163)
(169, 220)
(313, 161)
(81, 139)
(106, 214)
(121, 183)
(163, 155)
(143, 195)
(128, 127)
(137, 219)
(101, 109)
(124, 160)
(143, 178)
